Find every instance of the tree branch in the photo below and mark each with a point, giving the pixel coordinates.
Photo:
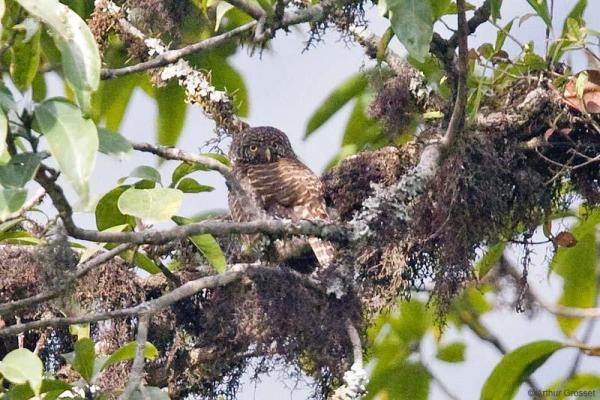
(357, 350)
(234, 273)
(423, 96)
(171, 56)
(173, 153)
(37, 198)
(458, 114)
(276, 227)
(483, 333)
(356, 378)
(444, 49)
(310, 14)
(137, 368)
(68, 281)
(255, 12)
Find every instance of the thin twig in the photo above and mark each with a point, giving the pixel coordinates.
(68, 281)
(173, 153)
(31, 203)
(579, 356)
(137, 368)
(309, 14)
(172, 56)
(509, 35)
(458, 114)
(153, 306)
(249, 8)
(441, 384)
(357, 350)
(483, 333)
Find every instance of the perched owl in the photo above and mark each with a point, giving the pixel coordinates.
(267, 168)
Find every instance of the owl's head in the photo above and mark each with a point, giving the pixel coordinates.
(261, 145)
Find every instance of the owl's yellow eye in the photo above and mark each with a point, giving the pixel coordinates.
(253, 148)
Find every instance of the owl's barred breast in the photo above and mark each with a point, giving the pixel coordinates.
(269, 171)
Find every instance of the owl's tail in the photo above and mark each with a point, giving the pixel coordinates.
(323, 250)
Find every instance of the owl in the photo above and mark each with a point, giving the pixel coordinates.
(282, 186)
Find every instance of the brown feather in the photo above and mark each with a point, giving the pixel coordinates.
(285, 188)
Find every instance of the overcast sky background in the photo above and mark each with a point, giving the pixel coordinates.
(285, 86)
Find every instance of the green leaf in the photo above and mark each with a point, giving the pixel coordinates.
(515, 367)
(186, 168)
(489, 259)
(80, 330)
(143, 172)
(144, 262)
(577, 266)
(502, 34)
(8, 225)
(7, 101)
(172, 109)
(114, 98)
(349, 89)
(22, 366)
(360, 129)
(575, 14)
(19, 238)
(400, 381)
(72, 140)
(113, 144)
(222, 8)
(127, 352)
(207, 245)
(19, 170)
(150, 205)
(79, 52)
(25, 59)
(452, 353)
(440, 8)
(107, 211)
(582, 79)
(11, 200)
(189, 185)
(82, 359)
(39, 88)
(53, 388)
(580, 382)
(412, 21)
(495, 9)
(541, 8)
(4, 155)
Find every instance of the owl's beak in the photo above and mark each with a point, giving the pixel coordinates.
(268, 154)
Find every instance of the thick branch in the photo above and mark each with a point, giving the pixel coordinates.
(444, 49)
(47, 179)
(160, 236)
(481, 16)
